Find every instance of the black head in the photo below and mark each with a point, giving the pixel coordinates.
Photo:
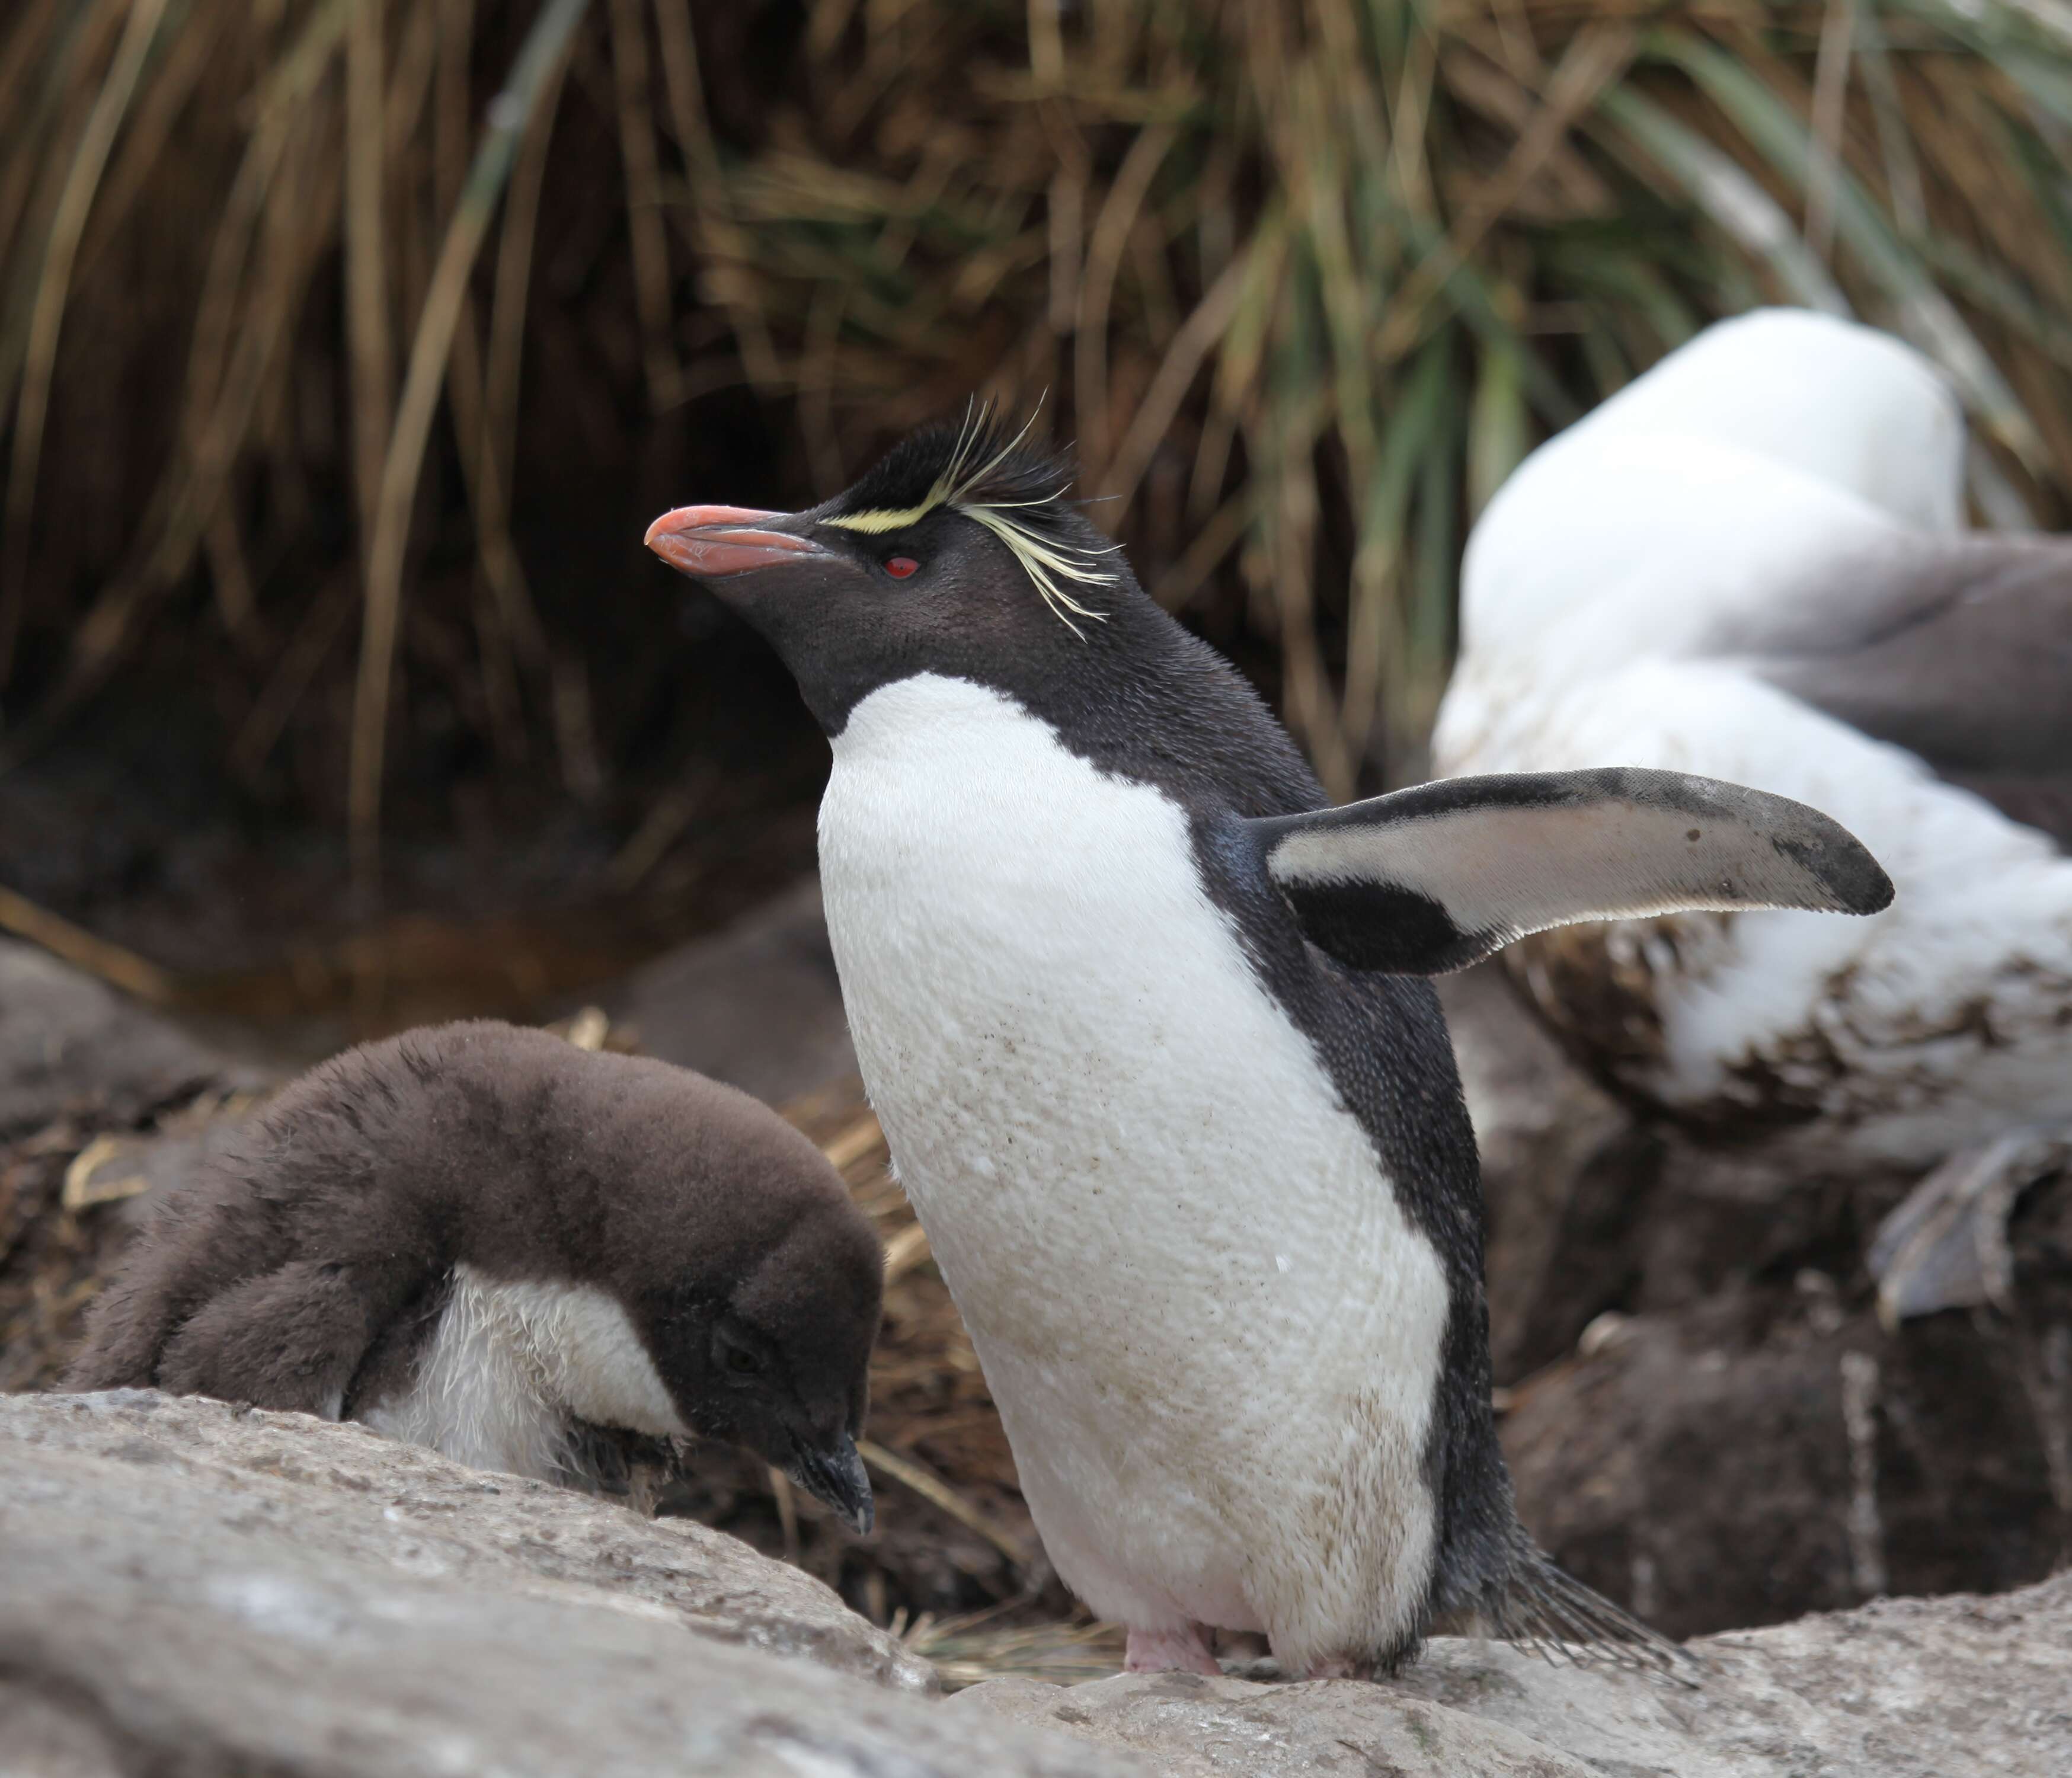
(752, 1278)
(958, 553)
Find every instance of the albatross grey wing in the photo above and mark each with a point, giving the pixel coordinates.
(1959, 649)
(1434, 878)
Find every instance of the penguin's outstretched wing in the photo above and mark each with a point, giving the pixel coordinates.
(1434, 878)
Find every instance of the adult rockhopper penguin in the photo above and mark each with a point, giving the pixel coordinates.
(1142, 1019)
(485, 1240)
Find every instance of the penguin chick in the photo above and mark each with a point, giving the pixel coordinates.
(483, 1239)
(1143, 1020)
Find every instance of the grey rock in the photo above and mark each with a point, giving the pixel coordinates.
(757, 1005)
(339, 1490)
(1188, 1726)
(1705, 1418)
(47, 1737)
(1751, 1458)
(188, 1590)
(1959, 1687)
(70, 1043)
(1905, 1688)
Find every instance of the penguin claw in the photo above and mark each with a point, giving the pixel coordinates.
(1946, 1247)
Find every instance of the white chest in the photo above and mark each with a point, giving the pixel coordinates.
(1203, 1313)
(509, 1364)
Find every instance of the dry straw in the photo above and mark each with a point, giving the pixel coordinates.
(1303, 279)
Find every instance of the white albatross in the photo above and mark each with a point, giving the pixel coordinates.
(1752, 563)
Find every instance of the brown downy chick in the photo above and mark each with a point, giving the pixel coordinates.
(482, 1239)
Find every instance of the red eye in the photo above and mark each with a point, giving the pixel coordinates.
(899, 566)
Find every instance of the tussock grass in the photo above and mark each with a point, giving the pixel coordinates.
(1304, 281)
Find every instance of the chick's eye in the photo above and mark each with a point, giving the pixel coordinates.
(899, 566)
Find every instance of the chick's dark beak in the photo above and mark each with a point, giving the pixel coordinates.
(836, 1476)
(716, 543)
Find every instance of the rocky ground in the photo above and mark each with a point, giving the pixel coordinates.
(1705, 1417)
(192, 1589)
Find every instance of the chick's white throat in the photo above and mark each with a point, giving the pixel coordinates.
(511, 1365)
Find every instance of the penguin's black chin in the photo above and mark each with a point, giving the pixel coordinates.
(836, 1477)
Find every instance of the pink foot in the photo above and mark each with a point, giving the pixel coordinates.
(1183, 1650)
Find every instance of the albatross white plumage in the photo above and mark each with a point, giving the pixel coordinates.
(1752, 563)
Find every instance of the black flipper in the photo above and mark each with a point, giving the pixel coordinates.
(216, 1303)
(290, 1339)
(1432, 879)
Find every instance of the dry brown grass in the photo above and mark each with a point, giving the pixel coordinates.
(1304, 281)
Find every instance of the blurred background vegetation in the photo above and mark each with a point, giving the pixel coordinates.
(346, 346)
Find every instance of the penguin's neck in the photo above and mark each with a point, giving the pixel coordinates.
(1140, 698)
(510, 1366)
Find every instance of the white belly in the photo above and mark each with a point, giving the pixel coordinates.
(1213, 1335)
(507, 1365)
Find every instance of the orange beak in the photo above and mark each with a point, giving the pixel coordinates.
(711, 543)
